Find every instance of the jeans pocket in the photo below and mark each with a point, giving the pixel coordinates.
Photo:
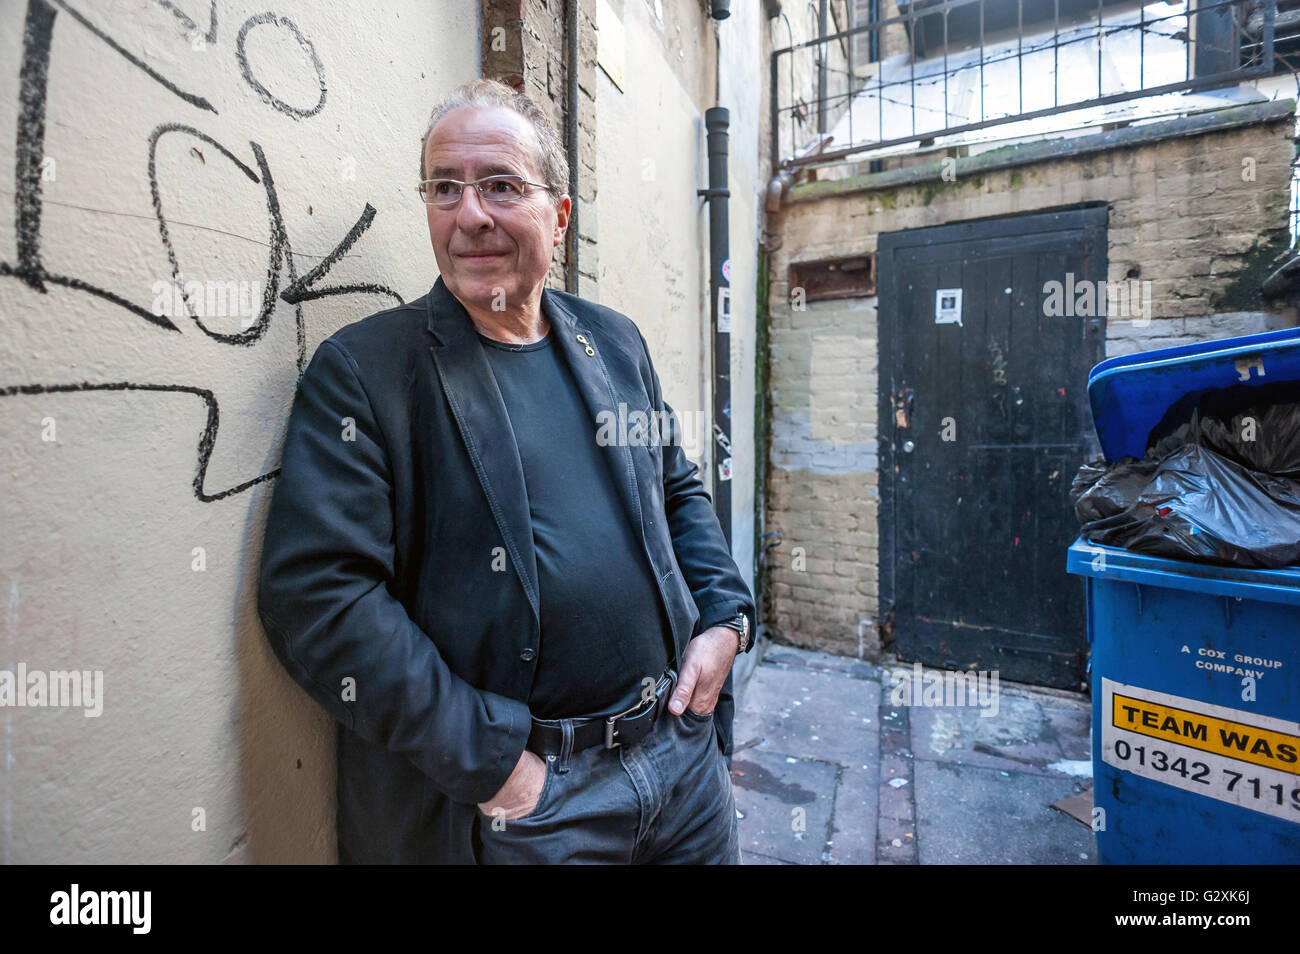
(694, 716)
(486, 821)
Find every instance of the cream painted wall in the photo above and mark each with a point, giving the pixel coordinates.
(740, 90)
(108, 416)
(653, 229)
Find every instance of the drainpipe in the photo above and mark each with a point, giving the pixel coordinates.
(779, 184)
(821, 71)
(716, 121)
(571, 105)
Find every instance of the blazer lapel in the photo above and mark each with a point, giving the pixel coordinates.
(480, 413)
(589, 370)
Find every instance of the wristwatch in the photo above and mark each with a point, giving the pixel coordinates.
(740, 623)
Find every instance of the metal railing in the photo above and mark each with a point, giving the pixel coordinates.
(973, 81)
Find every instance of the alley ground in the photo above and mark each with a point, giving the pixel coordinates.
(827, 771)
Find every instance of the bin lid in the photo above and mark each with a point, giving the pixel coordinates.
(1113, 563)
(1131, 394)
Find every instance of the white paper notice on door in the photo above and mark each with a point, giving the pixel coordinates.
(947, 306)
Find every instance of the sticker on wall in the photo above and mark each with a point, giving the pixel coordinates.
(947, 306)
(724, 311)
(726, 270)
(724, 469)
(723, 440)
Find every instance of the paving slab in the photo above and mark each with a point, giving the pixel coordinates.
(785, 805)
(896, 842)
(828, 771)
(755, 858)
(810, 713)
(853, 829)
(1026, 742)
(828, 662)
(975, 815)
(1072, 729)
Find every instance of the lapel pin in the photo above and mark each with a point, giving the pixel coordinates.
(588, 346)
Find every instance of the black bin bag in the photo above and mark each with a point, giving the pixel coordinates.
(1217, 425)
(1192, 504)
(1257, 426)
(1220, 482)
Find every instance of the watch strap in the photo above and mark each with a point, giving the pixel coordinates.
(740, 623)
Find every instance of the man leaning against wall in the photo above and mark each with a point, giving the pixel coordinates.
(522, 619)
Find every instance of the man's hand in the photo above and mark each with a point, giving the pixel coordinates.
(522, 790)
(705, 665)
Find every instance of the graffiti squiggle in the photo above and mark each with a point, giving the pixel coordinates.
(38, 35)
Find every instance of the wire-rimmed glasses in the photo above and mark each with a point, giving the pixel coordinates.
(445, 193)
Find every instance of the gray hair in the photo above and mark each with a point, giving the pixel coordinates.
(487, 93)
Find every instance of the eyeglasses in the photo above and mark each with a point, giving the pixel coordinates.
(445, 193)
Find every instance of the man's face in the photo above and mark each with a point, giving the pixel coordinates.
(487, 250)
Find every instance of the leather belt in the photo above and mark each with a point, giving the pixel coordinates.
(625, 728)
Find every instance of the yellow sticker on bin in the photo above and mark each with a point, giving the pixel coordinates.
(1226, 737)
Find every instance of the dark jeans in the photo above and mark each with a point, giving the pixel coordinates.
(665, 800)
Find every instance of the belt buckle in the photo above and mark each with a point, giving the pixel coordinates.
(609, 722)
(670, 677)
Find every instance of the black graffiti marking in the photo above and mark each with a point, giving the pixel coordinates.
(281, 254)
(251, 334)
(281, 250)
(206, 440)
(301, 290)
(29, 158)
(135, 61)
(297, 291)
(211, 35)
(267, 96)
(46, 278)
(38, 31)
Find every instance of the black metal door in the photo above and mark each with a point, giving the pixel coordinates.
(984, 421)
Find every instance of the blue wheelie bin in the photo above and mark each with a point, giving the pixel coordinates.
(1195, 668)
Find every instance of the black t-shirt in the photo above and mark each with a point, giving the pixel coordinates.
(603, 625)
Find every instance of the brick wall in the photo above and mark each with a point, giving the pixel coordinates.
(1200, 217)
(822, 480)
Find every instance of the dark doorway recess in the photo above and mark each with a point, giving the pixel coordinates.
(983, 424)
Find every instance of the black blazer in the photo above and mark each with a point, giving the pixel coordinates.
(399, 481)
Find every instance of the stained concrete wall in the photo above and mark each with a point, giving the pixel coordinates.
(276, 152)
(1200, 217)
